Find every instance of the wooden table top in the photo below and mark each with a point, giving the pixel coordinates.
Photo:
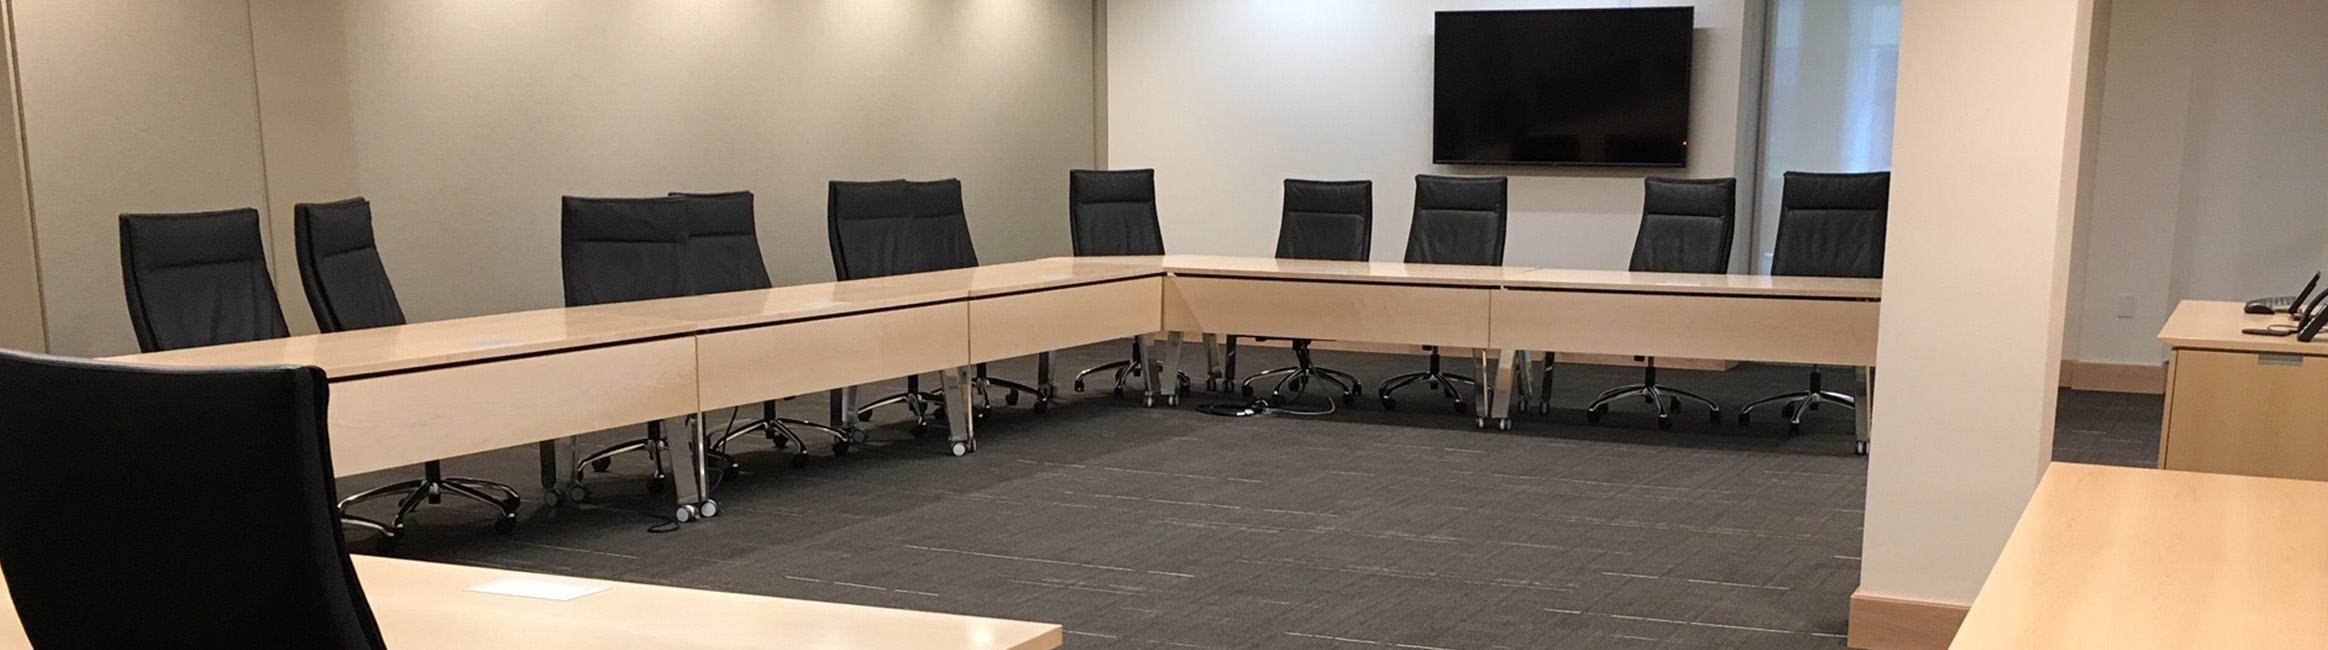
(1032, 275)
(428, 606)
(781, 304)
(1331, 270)
(2117, 558)
(1699, 283)
(2215, 325)
(365, 352)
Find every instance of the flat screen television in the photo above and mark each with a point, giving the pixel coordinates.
(1586, 87)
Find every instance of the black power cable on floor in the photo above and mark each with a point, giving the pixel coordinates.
(1268, 406)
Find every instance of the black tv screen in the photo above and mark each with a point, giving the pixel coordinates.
(1563, 87)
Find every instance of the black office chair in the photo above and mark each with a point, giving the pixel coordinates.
(219, 532)
(348, 288)
(1829, 225)
(897, 227)
(198, 279)
(621, 250)
(1114, 213)
(1324, 220)
(723, 255)
(1686, 227)
(1458, 220)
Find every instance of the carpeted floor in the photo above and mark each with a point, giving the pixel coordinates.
(1168, 528)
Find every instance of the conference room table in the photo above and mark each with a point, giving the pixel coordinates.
(426, 391)
(2107, 558)
(432, 606)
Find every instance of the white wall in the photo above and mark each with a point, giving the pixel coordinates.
(1226, 98)
(2212, 169)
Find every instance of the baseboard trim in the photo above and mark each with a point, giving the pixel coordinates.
(1880, 623)
(1465, 353)
(2114, 377)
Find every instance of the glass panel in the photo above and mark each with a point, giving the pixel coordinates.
(1832, 71)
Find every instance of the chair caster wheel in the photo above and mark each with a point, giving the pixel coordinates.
(505, 524)
(1148, 401)
(1745, 418)
(961, 449)
(1172, 400)
(1010, 398)
(577, 493)
(799, 460)
(708, 509)
(510, 504)
(1790, 411)
(841, 449)
(1714, 416)
(1461, 407)
(1664, 423)
(659, 485)
(1042, 406)
(1247, 390)
(602, 464)
(1593, 415)
(684, 514)
(1212, 385)
(389, 542)
(1118, 393)
(551, 498)
(1794, 428)
(1673, 405)
(1860, 448)
(1078, 385)
(920, 431)
(1503, 424)
(728, 472)
(1389, 404)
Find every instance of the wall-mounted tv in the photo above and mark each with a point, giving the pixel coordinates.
(1597, 87)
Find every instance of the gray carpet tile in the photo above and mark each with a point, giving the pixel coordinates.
(1169, 528)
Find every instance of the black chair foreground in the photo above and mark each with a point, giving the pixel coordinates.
(1829, 225)
(1458, 220)
(896, 227)
(246, 551)
(1323, 220)
(348, 289)
(723, 255)
(1686, 227)
(1112, 213)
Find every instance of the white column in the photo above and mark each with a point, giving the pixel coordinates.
(1991, 119)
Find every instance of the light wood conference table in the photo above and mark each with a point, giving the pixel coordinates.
(2111, 558)
(428, 606)
(2242, 403)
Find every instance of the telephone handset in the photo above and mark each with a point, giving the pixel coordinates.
(2309, 318)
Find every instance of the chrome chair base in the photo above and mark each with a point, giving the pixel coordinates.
(1434, 379)
(1666, 399)
(1126, 369)
(1296, 379)
(1793, 405)
(431, 488)
(781, 431)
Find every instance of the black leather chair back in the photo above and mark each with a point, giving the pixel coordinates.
(620, 250)
(339, 263)
(884, 228)
(1459, 220)
(218, 532)
(1686, 225)
(1113, 212)
(1832, 225)
(723, 244)
(1327, 220)
(198, 279)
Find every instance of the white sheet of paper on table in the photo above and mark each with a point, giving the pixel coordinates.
(1681, 284)
(541, 589)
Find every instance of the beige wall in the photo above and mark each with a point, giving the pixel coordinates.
(1992, 95)
(129, 106)
(21, 325)
(1229, 97)
(464, 121)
